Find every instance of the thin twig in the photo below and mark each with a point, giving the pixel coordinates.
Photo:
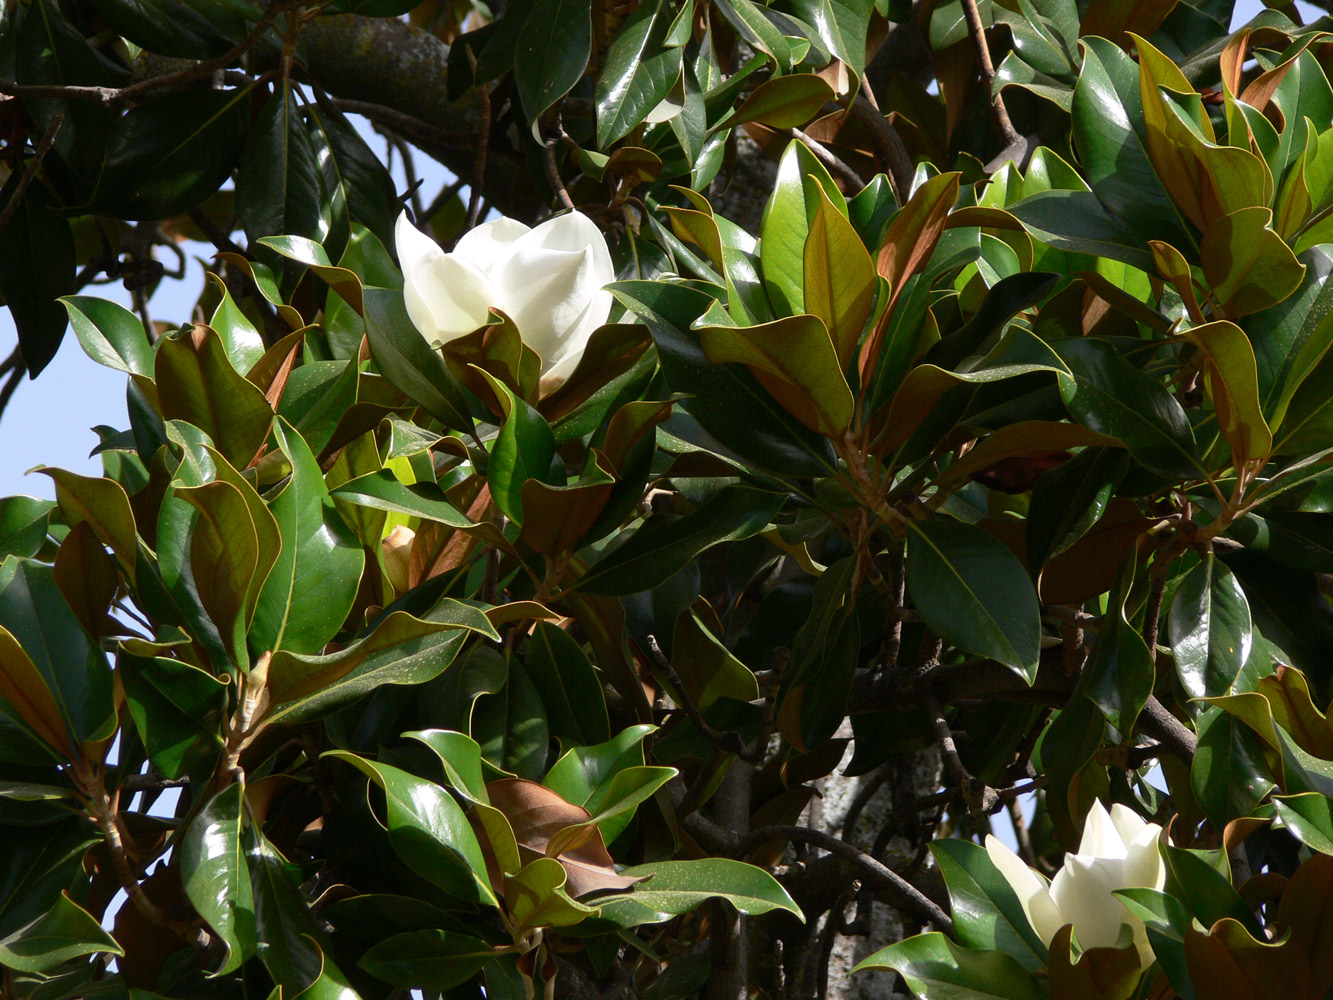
(980, 797)
(483, 144)
(1000, 112)
(11, 384)
(119, 95)
(729, 741)
(872, 869)
(553, 177)
(29, 172)
(1152, 614)
(826, 156)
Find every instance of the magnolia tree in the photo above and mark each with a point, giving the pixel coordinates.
(815, 430)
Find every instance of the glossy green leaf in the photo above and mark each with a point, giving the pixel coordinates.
(795, 360)
(783, 102)
(1108, 395)
(65, 931)
(401, 650)
(973, 592)
(37, 261)
(1210, 629)
(1228, 775)
(552, 52)
(1120, 671)
(70, 667)
(461, 758)
(786, 224)
(569, 686)
(523, 450)
(217, 877)
(23, 522)
(536, 896)
(197, 384)
(987, 915)
(280, 187)
(432, 960)
(110, 334)
(727, 402)
(1078, 222)
(310, 590)
(664, 544)
(638, 73)
(429, 830)
(935, 968)
(676, 887)
(403, 355)
(167, 154)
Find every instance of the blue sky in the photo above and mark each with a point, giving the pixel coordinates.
(48, 421)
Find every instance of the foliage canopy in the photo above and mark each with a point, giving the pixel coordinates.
(996, 444)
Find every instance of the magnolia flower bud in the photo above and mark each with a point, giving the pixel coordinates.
(549, 280)
(397, 551)
(1118, 851)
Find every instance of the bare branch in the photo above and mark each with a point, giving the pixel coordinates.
(873, 870)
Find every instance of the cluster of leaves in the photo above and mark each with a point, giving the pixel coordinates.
(469, 687)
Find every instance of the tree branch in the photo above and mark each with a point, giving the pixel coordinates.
(873, 870)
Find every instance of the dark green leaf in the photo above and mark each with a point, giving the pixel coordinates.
(569, 686)
(166, 155)
(1105, 393)
(431, 960)
(937, 969)
(664, 544)
(403, 355)
(974, 593)
(36, 268)
(65, 931)
(676, 887)
(216, 876)
(551, 53)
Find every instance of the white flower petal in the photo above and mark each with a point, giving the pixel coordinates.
(1101, 839)
(1127, 822)
(1144, 866)
(552, 285)
(448, 298)
(1038, 906)
(1082, 891)
(489, 245)
(412, 244)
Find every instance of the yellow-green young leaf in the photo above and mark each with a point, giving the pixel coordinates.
(911, 238)
(839, 278)
(698, 228)
(795, 360)
(27, 694)
(536, 897)
(1247, 265)
(784, 101)
(1172, 266)
(1205, 180)
(1232, 381)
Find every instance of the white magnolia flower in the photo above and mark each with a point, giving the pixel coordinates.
(1118, 851)
(549, 280)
